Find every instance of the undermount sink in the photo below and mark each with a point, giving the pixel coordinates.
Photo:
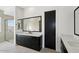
(73, 43)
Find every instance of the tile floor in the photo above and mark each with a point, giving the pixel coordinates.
(8, 47)
(47, 50)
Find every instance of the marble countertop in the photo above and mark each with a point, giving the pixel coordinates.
(71, 44)
(35, 34)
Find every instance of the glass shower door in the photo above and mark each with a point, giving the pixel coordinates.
(1, 30)
(10, 30)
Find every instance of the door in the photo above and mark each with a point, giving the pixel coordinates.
(50, 28)
(1, 30)
(9, 28)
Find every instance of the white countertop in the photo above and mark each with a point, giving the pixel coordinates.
(35, 34)
(71, 44)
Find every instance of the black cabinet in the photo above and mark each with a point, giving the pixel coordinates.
(29, 41)
(63, 48)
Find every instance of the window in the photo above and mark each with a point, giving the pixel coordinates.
(0, 24)
(10, 25)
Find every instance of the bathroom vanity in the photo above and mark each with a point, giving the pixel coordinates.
(29, 40)
(29, 32)
(69, 44)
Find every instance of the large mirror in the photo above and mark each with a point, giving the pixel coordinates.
(76, 21)
(32, 24)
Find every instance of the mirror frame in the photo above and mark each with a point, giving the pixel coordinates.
(75, 21)
(40, 24)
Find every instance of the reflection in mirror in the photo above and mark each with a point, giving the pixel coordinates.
(76, 21)
(32, 24)
(19, 24)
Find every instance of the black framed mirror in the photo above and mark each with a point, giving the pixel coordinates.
(76, 21)
(32, 24)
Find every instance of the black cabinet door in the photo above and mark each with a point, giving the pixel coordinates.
(29, 41)
(50, 29)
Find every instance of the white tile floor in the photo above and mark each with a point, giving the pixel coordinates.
(20, 49)
(7, 47)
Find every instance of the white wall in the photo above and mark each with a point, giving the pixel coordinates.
(19, 13)
(64, 20)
